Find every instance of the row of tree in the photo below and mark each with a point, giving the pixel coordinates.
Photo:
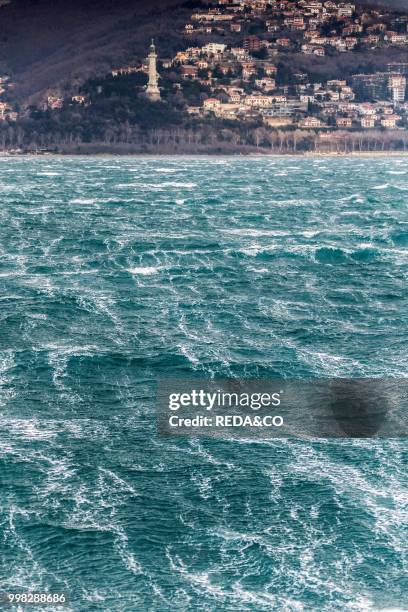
(217, 137)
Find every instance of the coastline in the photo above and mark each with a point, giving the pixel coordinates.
(237, 155)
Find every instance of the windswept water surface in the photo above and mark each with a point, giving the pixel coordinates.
(114, 272)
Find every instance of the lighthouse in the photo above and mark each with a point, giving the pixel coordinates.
(152, 89)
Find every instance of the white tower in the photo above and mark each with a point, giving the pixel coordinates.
(152, 89)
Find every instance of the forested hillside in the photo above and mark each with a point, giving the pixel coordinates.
(46, 42)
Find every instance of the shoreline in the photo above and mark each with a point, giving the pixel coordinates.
(307, 154)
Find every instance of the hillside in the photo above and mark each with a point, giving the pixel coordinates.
(259, 78)
(45, 41)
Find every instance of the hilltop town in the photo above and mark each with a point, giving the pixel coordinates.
(245, 83)
(248, 73)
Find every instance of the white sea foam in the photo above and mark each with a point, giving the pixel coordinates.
(179, 185)
(83, 201)
(258, 270)
(69, 350)
(255, 232)
(253, 250)
(335, 365)
(31, 429)
(143, 271)
(189, 354)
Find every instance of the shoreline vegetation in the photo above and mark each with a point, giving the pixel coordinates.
(258, 141)
(247, 152)
(92, 136)
(254, 155)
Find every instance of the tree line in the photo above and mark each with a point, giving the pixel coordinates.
(220, 137)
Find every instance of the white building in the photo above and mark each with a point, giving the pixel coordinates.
(397, 84)
(213, 49)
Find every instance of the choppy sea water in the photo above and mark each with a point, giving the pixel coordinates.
(114, 272)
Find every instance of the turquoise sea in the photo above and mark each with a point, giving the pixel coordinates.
(117, 271)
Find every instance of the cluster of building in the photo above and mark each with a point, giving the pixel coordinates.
(56, 101)
(53, 101)
(240, 77)
(243, 78)
(248, 89)
(309, 26)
